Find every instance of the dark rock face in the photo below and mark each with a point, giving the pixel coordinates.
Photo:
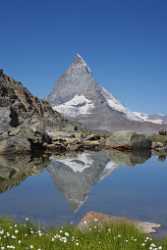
(78, 96)
(21, 104)
(14, 118)
(25, 121)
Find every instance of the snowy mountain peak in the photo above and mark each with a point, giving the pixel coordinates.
(79, 58)
(77, 95)
(79, 63)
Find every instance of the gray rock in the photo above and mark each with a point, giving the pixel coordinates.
(128, 139)
(4, 119)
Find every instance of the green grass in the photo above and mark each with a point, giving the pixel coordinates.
(112, 236)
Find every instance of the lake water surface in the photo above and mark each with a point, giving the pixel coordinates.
(62, 189)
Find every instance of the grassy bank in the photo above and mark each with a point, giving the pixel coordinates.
(113, 236)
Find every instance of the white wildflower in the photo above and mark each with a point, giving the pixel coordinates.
(66, 234)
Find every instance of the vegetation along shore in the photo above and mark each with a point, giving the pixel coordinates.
(116, 235)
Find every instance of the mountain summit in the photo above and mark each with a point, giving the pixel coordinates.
(78, 96)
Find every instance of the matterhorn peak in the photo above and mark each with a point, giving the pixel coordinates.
(78, 96)
(79, 59)
(79, 62)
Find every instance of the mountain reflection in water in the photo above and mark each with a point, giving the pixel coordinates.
(62, 189)
(74, 175)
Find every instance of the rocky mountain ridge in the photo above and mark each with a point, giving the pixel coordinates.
(26, 121)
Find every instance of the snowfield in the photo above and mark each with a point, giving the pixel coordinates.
(113, 102)
(78, 105)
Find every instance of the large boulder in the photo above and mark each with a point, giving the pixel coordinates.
(15, 145)
(22, 140)
(100, 219)
(128, 140)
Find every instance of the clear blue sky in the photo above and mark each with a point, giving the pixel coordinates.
(123, 41)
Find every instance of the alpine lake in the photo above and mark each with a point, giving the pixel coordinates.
(62, 189)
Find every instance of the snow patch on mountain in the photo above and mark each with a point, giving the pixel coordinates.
(146, 118)
(78, 105)
(142, 117)
(134, 116)
(116, 105)
(113, 102)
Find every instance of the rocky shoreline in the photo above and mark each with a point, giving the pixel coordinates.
(24, 140)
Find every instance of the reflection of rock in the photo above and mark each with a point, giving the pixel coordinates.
(129, 158)
(16, 169)
(75, 174)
